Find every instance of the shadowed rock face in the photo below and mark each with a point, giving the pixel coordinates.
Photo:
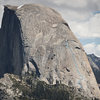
(35, 38)
(11, 49)
(95, 64)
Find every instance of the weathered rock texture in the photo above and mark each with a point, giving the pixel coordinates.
(14, 88)
(95, 64)
(35, 38)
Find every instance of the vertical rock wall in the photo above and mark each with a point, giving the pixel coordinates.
(11, 49)
(36, 38)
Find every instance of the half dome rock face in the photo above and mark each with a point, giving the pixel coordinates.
(35, 39)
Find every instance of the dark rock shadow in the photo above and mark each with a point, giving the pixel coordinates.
(36, 67)
(11, 48)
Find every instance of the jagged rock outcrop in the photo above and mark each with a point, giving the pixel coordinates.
(14, 88)
(35, 38)
(95, 64)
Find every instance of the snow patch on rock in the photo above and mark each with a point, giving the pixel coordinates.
(19, 6)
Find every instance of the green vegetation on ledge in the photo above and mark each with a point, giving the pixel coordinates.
(33, 89)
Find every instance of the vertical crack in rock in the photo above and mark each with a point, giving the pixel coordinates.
(75, 64)
(36, 67)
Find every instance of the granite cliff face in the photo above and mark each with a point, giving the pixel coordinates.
(11, 49)
(95, 64)
(35, 39)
